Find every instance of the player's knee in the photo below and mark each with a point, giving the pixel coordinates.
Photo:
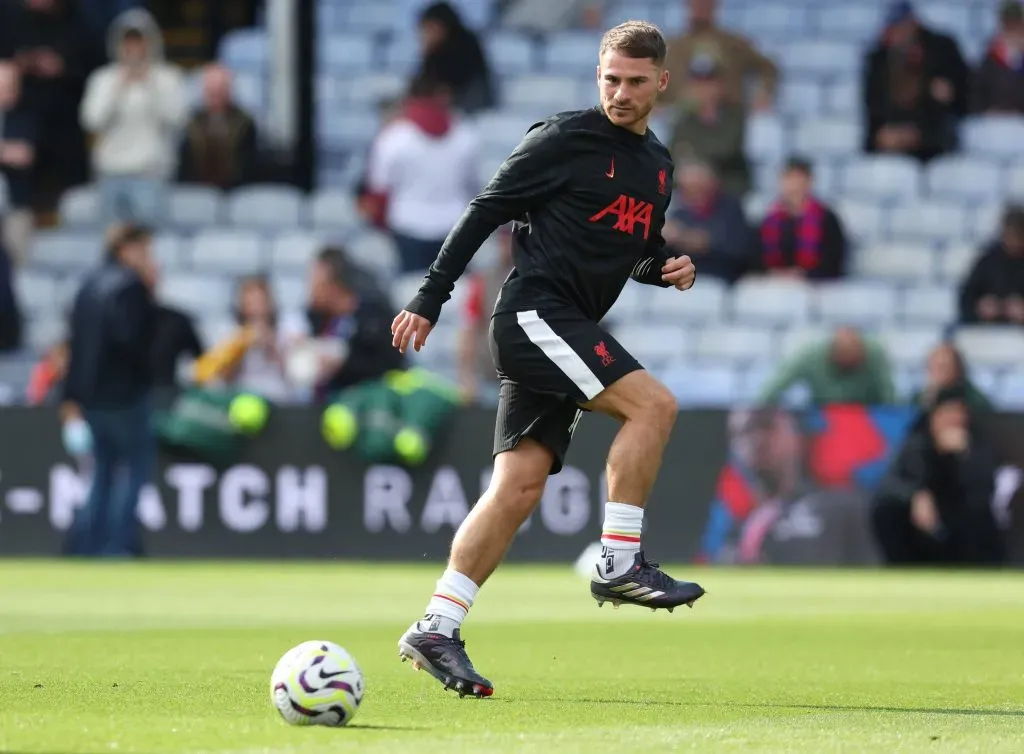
(518, 496)
(660, 407)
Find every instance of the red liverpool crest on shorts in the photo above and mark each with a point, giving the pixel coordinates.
(662, 177)
(602, 351)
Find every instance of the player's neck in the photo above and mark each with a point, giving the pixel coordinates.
(639, 128)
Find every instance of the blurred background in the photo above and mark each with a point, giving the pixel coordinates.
(849, 179)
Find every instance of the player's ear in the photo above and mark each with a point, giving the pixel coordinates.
(663, 81)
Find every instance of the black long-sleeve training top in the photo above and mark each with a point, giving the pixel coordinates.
(588, 199)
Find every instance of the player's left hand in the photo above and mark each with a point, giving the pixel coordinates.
(680, 272)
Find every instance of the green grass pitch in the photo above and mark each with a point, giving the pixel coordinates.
(160, 658)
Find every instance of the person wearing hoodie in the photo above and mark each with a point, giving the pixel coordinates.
(422, 173)
(136, 107)
(994, 289)
(998, 87)
(453, 56)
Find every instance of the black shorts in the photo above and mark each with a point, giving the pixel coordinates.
(549, 362)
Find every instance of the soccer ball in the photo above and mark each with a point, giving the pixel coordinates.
(317, 683)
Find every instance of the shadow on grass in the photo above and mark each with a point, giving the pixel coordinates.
(371, 726)
(777, 705)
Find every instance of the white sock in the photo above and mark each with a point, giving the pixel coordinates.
(621, 539)
(451, 601)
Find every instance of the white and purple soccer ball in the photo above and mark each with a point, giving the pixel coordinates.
(317, 683)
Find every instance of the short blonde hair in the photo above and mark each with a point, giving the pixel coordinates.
(636, 39)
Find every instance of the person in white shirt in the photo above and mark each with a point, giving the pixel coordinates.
(423, 173)
(136, 107)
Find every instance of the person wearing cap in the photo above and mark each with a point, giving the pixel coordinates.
(915, 88)
(998, 86)
(740, 60)
(935, 503)
(994, 289)
(711, 128)
(136, 107)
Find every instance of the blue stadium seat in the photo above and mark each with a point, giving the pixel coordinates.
(856, 22)
(802, 97)
(907, 381)
(245, 50)
(550, 92)
(193, 206)
(488, 165)
(291, 292)
(929, 221)
(346, 54)
(67, 251)
(701, 304)
(36, 291)
(1010, 392)
(215, 328)
(734, 344)
(843, 98)
(771, 302)
(929, 305)
(866, 304)
(572, 52)
(234, 251)
(346, 129)
(627, 10)
(79, 207)
(293, 251)
(895, 262)
(766, 139)
(654, 345)
(402, 54)
(511, 53)
(998, 136)
(1015, 185)
(501, 130)
(631, 305)
(955, 262)
(375, 251)
(703, 386)
(333, 210)
(755, 206)
(773, 20)
(249, 91)
(370, 17)
(955, 18)
(986, 222)
(45, 332)
(825, 60)
(828, 137)
(991, 345)
(196, 293)
(795, 338)
(265, 207)
(909, 347)
(170, 252)
(863, 221)
(964, 179)
(882, 178)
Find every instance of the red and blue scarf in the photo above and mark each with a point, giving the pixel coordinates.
(1007, 58)
(810, 233)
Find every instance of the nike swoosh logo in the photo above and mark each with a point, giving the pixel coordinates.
(611, 173)
(324, 676)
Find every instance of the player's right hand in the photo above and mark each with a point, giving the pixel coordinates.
(410, 327)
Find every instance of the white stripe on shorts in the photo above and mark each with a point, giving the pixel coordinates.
(572, 365)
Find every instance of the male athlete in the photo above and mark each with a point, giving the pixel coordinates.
(588, 192)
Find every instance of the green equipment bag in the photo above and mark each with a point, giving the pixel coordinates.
(211, 425)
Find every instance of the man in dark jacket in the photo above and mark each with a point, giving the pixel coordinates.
(108, 385)
(934, 506)
(998, 86)
(18, 136)
(915, 88)
(994, 290)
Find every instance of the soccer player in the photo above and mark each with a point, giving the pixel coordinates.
(588, 192)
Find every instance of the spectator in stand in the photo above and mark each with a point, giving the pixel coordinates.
(10, 315)
(107, 394)
(48, 41)
(915, 88)
(994, 289)
(18, 135)
(476, 369)
(220, 144)
(711, 129)
(847, 368)
(423, 173)
(136, 107)
(801, 237)
(738, 57)
(174, 336)
(946, 369)
(935, 504)
(708, 224)
(998, 86)
(453, 56)
(351, 325)
(252, 359)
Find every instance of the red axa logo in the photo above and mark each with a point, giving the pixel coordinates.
(662, 178)
(604, 354)
(629, 213)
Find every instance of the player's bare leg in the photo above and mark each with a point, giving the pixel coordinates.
(435, 643)
(647, 411)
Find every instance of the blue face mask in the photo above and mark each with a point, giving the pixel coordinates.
(77, 438)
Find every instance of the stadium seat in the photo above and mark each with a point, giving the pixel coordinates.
(795, 338)
(195, 206)
(15, 372)
(907, 381)
(655, 345)
(67, 251)
(766, 139)
(333, 210)
(540, 91)
(952, 17)
(245, 50)
(882, 178)
(991, 345)
(196, 293)
(402, 54)
(773, 20)
(79, 207)
(929, 305)
(169, 252)
(863, 222)
(993, 136)
(290, 292)
(374, 88)
(632, 305)
(843, 98)
(265, 207)
(346, 54)
(35, 291)
(294, 250)
(734, 344)
(855, 22)
(215, 328)
(235, 251)
(704, 303)
(572, 52)
(347, 130)
(1010, 391)
(771, 302)
(896, 262)
(376, 252)
(929, 222)
(250, 93)
(702, 386)
(828, 137)
(370, 17)
(511, 53)
(963, 179)
(857, 303)
(802, 98)
(44, 332)
(821, 59)
(1015, 185)
(755, 206)
(627, 10)
(955, 262)
(909, 346)
(502, 130)
(488, 165)
(986, 222)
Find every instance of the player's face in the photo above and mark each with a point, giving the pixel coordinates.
(629, 88)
